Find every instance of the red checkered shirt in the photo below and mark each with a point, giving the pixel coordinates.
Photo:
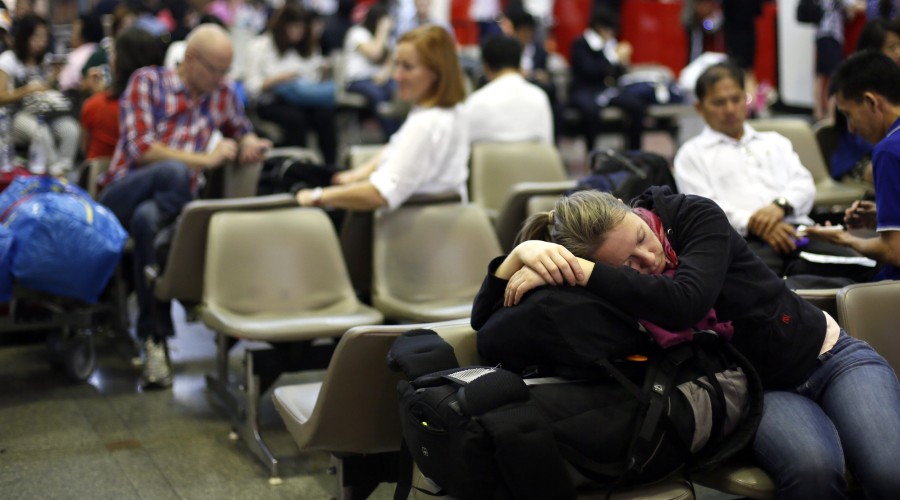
(156, 108)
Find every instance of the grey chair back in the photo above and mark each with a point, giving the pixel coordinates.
(829, 193)
(429, 260)
(871, 312)
(496, 167)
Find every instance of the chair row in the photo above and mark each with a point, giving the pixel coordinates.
(358, 387)
(263, 269)
(505, 177)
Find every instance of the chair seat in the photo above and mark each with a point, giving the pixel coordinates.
(278, 327)
(739, 478)
(425, 311)
(835, 193)
(296, 404)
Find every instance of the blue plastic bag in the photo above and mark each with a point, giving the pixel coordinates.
(6, 253)
(65, 243)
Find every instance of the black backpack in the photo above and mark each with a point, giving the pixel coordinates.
(473, 431)
(627, 174)
(625, 415)
(810, 11)
(289, 174)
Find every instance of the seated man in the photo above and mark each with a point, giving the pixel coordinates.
(756, 177)
(508, 108)
(167, 117)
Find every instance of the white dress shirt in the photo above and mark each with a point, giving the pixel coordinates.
(429, 154)
(745, 175)
(510, 109)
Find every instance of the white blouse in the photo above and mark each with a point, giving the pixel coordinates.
(428, 155)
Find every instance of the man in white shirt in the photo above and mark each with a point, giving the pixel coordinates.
(508, 108)
(755, 177)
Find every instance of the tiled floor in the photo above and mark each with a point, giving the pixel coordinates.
(108, 439)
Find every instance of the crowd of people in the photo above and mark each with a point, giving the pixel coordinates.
(168, 94)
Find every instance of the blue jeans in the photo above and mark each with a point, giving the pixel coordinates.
(316, 95)
(849, 408)
(146, 200)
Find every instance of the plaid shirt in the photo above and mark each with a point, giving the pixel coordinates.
(156, 108)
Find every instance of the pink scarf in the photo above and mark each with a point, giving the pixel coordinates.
(668, 338)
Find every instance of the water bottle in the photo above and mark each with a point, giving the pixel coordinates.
(6, 146)
(39, 149)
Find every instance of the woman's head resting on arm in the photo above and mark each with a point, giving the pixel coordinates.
(599, 227)
(427, 69)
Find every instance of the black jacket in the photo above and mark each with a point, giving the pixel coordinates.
(591, 70)
(777, 330)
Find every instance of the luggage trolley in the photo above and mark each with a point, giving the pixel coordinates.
(72, 325)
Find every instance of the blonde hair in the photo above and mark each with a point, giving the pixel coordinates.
(437, 51)
(580, 222)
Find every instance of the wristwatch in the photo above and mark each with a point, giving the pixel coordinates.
(317, 196)
(782, 203)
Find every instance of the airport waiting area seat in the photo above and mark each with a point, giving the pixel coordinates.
(829, 193)
(496, 167)
(276, 277)
(428, 261)
(182, 276)
(516, 208)
(359, 387)
(869, 311)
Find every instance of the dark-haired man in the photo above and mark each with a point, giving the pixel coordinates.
(867, 91)
(508, 108)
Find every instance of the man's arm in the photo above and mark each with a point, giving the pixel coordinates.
(225, 151)
(800, 188)
(884, 248)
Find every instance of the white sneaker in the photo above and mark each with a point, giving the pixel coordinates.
(157, 370)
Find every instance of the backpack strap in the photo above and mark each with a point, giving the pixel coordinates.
(660, 383)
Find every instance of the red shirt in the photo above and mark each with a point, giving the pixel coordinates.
(156, 108)
(100, 122)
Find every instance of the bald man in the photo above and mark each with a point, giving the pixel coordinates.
(166, 119)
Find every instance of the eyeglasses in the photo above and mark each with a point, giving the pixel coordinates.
(212, 69)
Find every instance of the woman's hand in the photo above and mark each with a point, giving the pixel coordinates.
(553, 263)
(523, 281)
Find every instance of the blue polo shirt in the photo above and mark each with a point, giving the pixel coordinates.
(886, 171)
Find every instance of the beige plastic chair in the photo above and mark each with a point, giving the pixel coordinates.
(182, 278)
(829, 193)
(90, 171)
(515, 210)
(428, 261)
(871, 312)
(358, 387)
(826, 137)
(496, 167)
(275, 276)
